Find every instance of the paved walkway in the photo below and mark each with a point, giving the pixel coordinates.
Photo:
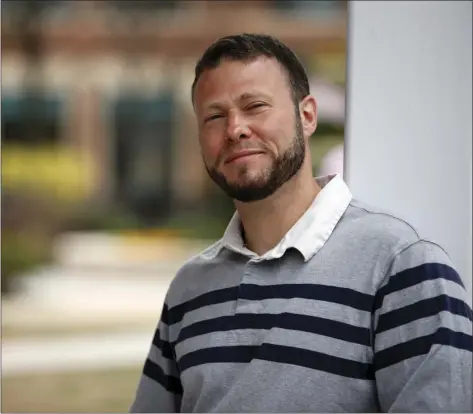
(69, 296)
(77, 353)
(98, 280)
(66, 298)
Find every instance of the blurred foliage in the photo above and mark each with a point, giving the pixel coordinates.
(40, 187)
(60, 171)
(322, 142)
(329, 66)
(198, 226)
(95, 217)
(20, 253)
(29, 225)
(195, 223)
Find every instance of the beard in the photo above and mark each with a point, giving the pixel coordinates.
(268, 181)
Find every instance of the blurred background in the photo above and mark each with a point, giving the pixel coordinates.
(104, 194)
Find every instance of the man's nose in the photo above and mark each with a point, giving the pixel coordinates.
(237, 127)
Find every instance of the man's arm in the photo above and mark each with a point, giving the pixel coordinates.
(423, 335)
(159, 389)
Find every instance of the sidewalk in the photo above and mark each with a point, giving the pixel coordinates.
(96, 307)
(60, 296)
(99, 278)
(100, 320)
(75, 353)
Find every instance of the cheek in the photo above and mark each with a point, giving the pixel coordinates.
(211, 148)
(275, 135)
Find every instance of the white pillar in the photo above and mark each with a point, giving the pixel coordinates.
(409, 116)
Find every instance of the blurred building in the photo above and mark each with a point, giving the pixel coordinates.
(111, 79)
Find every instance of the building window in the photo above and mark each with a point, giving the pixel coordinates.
(143, 5)
(31, 119)
(310, 9)
(143, 155)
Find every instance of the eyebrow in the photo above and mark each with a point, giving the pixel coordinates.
(243, 97)
(252, 95)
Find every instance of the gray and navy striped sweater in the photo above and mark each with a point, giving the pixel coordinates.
(378, 320)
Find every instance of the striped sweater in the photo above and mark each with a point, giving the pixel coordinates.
(374, 318)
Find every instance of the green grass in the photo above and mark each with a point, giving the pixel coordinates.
(110, 391)
(320, 145)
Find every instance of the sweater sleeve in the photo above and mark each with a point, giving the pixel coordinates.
(159, 388)
(423, 334)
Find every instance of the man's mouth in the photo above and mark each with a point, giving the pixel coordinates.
(243, 154)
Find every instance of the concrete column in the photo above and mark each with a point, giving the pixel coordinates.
(409, 116)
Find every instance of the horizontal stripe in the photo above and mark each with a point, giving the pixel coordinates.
(422, 309)
(339, 295)
(155, 372)
(428, 326)
(252, 337)
(290, 321)
(414, 276)
(176, 313)
(421, 346)
(217, 354)
(279, 354)
(164, 346)
(201, 314)
(302, 306)
(427, 290)
(165, 314)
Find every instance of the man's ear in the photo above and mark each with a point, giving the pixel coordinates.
(308, 113)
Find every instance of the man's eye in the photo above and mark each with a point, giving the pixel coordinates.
(255, 105)
(212, 117)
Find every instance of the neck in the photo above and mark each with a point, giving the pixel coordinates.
(267, 221)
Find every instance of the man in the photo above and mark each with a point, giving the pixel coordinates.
(311, 301)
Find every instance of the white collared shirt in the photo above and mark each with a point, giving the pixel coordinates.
(309, 233)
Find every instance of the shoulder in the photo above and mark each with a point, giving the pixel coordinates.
(390, 237)
(189, 274)
(376, 229)
(381, 222)
(389, 229)
(406, 249)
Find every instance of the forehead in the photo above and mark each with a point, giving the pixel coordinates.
(231, 79)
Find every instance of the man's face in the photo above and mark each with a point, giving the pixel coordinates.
(250, 133)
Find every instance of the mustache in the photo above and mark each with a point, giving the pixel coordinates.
(240, 147)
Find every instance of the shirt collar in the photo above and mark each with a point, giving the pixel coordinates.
(309, 233)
